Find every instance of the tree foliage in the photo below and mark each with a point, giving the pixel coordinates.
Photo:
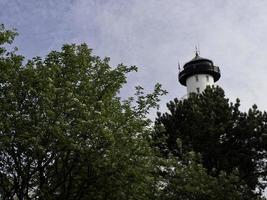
(189, 180)
(227, 139)
(65, 134)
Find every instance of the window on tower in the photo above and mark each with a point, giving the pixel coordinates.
(207, 77)
(198, 91)
(197, 78)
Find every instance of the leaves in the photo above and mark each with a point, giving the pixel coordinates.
(226, 138)
(64, 132)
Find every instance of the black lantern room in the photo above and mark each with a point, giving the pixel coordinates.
(199, 65)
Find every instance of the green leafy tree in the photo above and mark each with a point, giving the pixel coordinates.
(189, 180)
(65, 134)
(227, 139)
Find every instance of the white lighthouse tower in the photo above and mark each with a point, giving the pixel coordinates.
(198, 73)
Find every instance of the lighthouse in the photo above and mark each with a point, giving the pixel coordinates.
(198, 73)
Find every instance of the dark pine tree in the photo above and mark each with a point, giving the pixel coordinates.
(226, 138)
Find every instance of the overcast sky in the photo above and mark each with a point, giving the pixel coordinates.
(154, 35)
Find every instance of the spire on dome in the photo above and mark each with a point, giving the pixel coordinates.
(197, 51)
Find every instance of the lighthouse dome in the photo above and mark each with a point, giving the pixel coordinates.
(199, 65)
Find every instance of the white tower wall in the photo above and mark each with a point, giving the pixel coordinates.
(198, 83)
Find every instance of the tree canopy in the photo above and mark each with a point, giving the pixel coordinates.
(226, 138)
(66, 134)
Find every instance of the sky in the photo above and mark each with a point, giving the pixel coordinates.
(154, 35)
